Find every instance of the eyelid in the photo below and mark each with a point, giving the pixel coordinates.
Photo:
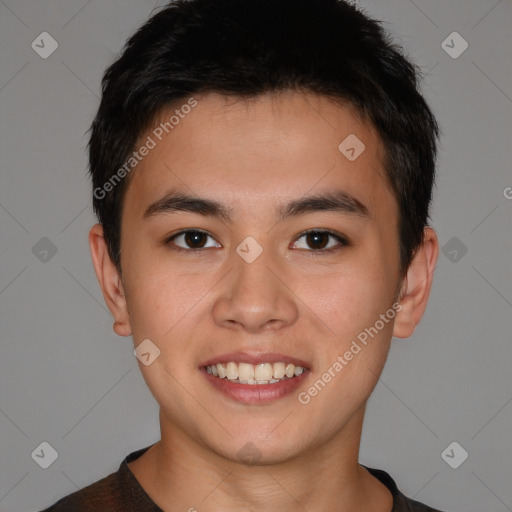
(323, 230)
(170, 238)
(342, 239)
(338, 236)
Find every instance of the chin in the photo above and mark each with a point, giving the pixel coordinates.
(258, 450)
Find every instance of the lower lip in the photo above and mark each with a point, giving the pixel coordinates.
(255, 393)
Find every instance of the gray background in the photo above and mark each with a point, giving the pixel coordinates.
(67, 379)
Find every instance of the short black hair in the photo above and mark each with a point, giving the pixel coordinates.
(247, 48)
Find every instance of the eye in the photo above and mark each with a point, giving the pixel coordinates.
(318, 240)
(194, 239)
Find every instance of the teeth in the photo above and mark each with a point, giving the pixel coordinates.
(246, 371)
(278, 370)
(232, 371)
(264, 373)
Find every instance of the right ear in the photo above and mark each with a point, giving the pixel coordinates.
(109, 280)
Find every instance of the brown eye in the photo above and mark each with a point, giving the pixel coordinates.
(319, 240)
(193, 240)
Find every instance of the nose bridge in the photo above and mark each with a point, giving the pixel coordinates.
(253, 281)
(255, 296)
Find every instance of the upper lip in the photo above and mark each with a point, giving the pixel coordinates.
(255, 358)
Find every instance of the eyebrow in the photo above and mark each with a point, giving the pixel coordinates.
(333, 201)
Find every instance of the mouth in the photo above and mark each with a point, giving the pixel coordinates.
(255, 379)
(255, 374)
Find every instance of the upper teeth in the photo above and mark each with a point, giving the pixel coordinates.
(263, 373)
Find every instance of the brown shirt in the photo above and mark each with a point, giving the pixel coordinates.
(121, 492)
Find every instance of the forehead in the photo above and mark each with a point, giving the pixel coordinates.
(264, 149)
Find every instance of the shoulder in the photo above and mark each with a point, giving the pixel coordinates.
(105, 495)
(415, 506)
(401, 503)
(118, 492)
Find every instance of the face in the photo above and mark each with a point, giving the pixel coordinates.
(259, 276)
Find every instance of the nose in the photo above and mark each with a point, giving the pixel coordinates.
(255, 296)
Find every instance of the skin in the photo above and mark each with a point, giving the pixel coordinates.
(253, 155)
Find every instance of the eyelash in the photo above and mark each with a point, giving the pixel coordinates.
(315, 252)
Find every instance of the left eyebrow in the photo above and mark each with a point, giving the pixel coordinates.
(334, 201)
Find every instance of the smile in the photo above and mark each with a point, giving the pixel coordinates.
(255, 374)
(255, 384)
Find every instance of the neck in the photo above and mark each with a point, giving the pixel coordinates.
(180, 474)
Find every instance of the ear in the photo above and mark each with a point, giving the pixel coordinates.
(416, 285)
(110, 282)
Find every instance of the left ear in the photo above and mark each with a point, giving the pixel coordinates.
(416, 285)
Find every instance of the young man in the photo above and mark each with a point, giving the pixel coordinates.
(262, 172)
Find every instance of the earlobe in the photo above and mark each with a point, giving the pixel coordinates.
(416, 285)
(109, 280)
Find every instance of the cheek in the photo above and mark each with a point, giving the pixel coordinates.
(167, 299)
(357, 307)
(350, 300)
(352, 357)
(163, 301)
